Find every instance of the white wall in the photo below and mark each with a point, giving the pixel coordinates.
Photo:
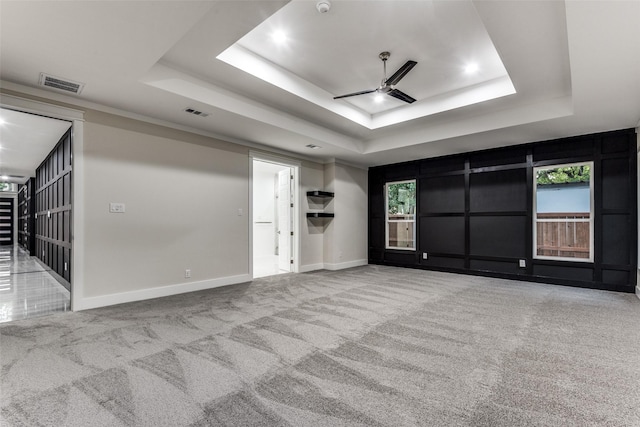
(346, 235)
(311, 231)
(182, 195)
(329, 205)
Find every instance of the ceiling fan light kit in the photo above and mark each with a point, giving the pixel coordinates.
(388, 85)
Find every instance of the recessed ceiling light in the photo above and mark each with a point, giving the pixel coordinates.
(471, 68)
(2, 121)
(279, 36)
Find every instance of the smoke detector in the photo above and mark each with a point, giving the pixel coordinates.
(323, 6)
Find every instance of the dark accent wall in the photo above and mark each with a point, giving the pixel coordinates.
(475, 212)
(27, 216)
(53, 210)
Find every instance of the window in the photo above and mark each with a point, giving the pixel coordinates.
(401, 213)
(563, 212)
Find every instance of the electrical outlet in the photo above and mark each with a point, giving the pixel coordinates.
(522, 264)
(425, 255)
(187, 273)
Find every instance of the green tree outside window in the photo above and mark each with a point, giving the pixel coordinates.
(402, 198)
(564, 175)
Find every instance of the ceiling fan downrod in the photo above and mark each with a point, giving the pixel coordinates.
(384, 56)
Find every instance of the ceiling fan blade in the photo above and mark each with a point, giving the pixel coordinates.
(401, 96)
(355, 94)
(402, 71)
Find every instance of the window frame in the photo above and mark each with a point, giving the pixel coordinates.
(591, 213)
(386, 216)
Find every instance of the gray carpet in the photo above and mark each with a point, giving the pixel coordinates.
(369, 346)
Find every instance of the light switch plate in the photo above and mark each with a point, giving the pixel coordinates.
(116, 207)
(522, 264)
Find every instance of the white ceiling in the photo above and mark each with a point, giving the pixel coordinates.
(574, 66)
(25, 141)
(442, 37)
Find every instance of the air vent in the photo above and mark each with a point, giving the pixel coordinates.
(313, 146)
(196, 112)
(60, 84)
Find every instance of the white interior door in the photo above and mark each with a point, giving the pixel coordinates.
(284, 220)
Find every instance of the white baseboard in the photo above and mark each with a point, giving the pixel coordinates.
(348, 264)
(310, 267)
(330, 266)
(638, 291)
(161, 291)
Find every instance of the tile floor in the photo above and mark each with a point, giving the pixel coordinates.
(26, 288)
(266, 266)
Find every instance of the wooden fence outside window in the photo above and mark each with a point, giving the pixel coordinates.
(565, 235)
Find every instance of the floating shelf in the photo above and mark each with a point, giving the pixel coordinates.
(320, 215)
(318, 193)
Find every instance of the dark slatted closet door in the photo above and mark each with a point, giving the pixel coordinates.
(6, 221)
(53, 210)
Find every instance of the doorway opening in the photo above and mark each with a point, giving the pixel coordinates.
(273, 217)
(39, 266)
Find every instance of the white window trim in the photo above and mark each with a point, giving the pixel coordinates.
(386, 217)
(536, 220)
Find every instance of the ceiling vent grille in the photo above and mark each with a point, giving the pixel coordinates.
(60, 84)
(196, 112)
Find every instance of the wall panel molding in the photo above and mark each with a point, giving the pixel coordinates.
(53, 216)
(475, 212)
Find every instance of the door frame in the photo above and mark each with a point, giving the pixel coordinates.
(76, 117)
(295, 167)
(284, 257)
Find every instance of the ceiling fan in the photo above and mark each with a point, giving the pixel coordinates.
(388, 85)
